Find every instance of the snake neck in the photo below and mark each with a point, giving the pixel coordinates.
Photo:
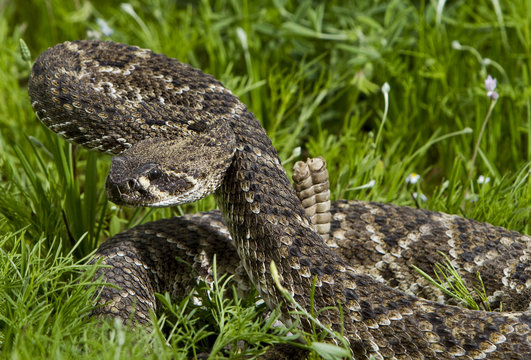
(267, 220)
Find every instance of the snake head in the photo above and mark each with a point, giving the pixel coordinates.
(161, 172)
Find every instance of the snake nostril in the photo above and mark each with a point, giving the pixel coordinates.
(131, 184)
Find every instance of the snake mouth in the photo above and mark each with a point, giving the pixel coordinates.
(128, 193)
(141, 192)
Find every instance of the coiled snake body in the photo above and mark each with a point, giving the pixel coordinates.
(179, 135)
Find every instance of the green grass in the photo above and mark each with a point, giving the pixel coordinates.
(312, 72)
(449, 281)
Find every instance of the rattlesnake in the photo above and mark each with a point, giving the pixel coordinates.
(179, 135)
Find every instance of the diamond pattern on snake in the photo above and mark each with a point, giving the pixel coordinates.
(177, 135)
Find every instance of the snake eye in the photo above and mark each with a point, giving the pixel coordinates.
(154, 174)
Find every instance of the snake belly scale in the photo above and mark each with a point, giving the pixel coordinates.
(179, 135)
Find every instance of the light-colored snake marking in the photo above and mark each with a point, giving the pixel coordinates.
(175, 128)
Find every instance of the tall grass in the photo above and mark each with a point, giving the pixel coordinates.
(312, 72)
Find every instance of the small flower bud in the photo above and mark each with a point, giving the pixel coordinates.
(24, 50)
(456, 45)
(490, 83)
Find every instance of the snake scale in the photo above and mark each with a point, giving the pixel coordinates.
(178, 135)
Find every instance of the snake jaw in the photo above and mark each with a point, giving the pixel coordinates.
(128, 192)
(142, 192)
(149, 185)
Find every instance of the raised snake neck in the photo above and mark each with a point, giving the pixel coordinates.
(263, 214)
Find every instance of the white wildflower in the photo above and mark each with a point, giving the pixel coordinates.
(483, 179)
(422, 197)
(412, 178)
